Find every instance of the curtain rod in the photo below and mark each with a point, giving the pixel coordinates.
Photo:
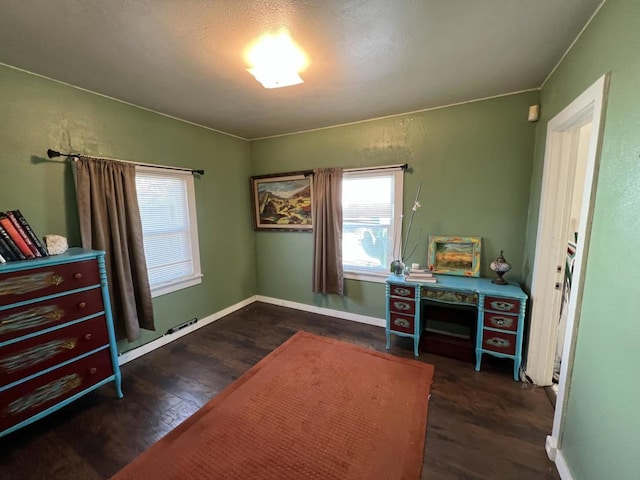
(53, 154)
(403, 166)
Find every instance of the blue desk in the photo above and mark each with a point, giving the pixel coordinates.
(500, 321)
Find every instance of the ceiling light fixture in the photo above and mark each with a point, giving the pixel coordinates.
(276, 60)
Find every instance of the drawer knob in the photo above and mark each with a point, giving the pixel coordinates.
(82, 305)
(77, 275)
(87, 336)
(93, 370)
(499, 321)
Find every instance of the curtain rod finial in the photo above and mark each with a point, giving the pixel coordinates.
(52, 153)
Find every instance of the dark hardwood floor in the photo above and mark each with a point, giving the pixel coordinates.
(482, 425)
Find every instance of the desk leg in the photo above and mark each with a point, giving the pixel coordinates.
(478, 359)
(388, 339)
(416, 342)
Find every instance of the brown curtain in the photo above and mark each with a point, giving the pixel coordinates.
(110, 221)
(327, 231)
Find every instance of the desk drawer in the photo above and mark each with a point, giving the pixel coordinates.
(24, 358)
(400, 305)
(501, 342)
(503, 322)
(36, 395)
(401, 323)
(39, 282)
(402, 291)
(498, 304)
(18, 321)
(450, 296)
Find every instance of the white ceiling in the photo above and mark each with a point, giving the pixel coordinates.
(368, 58)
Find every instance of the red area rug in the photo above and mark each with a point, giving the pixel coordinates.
(314, 408)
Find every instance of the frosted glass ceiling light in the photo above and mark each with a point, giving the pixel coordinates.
(276, 61)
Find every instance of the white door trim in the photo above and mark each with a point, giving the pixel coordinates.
(553, 224)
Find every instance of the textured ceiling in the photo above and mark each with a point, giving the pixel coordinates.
(368, 58)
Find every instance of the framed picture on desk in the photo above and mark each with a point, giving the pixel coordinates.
(453, 255)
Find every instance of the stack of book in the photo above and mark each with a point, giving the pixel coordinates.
(420, 274)
(17, 239)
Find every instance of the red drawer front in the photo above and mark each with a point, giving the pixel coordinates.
(32, 355)
(497, 304)
(503, 322)
(39, 282)
(401, 323)
(403, 291)
(400, 305)
(29, 398)
(15, 322)
(499, 342)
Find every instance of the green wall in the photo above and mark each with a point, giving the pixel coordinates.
(474, 161)
(602, 431)
(37, 114)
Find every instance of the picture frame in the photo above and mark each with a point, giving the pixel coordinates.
(455, 255)
(282, 202)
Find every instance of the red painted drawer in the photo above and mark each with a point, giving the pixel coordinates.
(39, 282)
(18, 321)
(401, 305)
(24, 358)
(499, 342)
(402, 291)
(497, 304)
(503, 322)
(29, 398)
(401, 323)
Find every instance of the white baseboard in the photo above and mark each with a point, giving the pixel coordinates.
(354, 317)
(563, 468)
(163, 340)
(556, 456)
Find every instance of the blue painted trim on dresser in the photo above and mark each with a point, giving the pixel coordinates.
(72, 255)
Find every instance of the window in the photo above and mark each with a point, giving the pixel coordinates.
(372, 213)
(167, 206)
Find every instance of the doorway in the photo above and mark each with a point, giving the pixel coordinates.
(566, 206)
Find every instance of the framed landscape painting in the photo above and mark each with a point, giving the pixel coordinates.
(455, 255)
(282, 202)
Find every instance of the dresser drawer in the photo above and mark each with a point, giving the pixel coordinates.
(26, 357)
(401, 323)
(401, 305)
(36, 395)
(39, 282)
(402, 291)
(503, 322)
(18, 321)
(498, 304)
(501, 342)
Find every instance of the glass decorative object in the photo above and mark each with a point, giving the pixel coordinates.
(500, 266)
(397, 267)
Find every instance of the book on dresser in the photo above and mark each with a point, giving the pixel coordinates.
(421, 278)
(18, 241)
(420, 274)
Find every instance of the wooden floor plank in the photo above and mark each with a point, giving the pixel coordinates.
(482, 425)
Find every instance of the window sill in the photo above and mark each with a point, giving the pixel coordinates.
(367, 277)
(175, 286)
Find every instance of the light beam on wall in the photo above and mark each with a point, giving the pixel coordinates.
(276, 61)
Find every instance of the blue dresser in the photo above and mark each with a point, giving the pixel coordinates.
(501, 312)
(57, 341)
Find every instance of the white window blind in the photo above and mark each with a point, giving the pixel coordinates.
(371, 208)
(167, 207)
